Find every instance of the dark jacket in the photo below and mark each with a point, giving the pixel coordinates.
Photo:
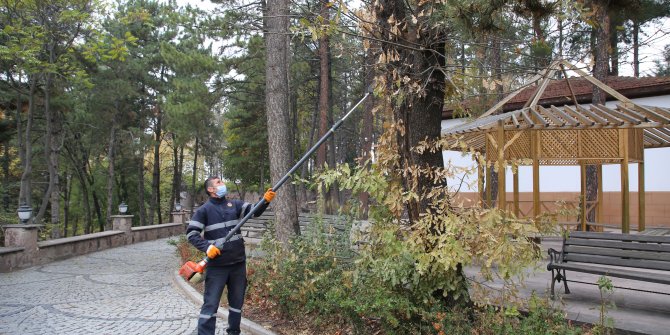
(216, 218)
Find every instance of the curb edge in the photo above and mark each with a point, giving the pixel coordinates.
(193, 295)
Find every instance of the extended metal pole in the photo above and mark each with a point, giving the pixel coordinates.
(297, 165)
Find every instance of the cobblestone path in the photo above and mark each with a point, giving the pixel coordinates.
(125, 290)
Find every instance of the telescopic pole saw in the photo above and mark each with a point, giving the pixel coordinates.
(192, 271)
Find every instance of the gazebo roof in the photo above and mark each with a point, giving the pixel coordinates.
(650, 124)
(654, 120)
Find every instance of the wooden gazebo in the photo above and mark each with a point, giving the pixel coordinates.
(567, 135)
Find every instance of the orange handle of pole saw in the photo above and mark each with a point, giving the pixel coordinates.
(200, 266)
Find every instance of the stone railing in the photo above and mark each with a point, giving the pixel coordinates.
(22, 248)
(255, 228)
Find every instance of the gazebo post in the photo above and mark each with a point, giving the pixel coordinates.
(502, 199)
(625, 196)
(640, 194)
(582, 209)
(488, 184)
(534, 145)
(599, 205)
(480, 183)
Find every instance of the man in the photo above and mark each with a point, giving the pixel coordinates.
(228, 265)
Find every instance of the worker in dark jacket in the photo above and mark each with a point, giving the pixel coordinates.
(228, 266)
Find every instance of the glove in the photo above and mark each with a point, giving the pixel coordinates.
(269, 195)
(213, 251)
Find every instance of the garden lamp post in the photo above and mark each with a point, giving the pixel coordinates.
(177, 207)
(25, 213)
(123, 208)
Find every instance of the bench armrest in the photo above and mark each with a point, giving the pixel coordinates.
(555, 256)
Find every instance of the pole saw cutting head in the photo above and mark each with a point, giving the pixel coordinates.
(192, 271)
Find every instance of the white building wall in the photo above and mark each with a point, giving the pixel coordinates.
(566, 178)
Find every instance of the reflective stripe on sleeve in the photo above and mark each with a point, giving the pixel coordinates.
(206, 317)
(196, 224)
(192, 234)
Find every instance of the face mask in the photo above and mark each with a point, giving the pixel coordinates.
(221, 191)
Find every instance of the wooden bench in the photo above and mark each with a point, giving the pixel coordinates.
(613, 255)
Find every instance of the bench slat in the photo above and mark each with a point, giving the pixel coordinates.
(620, 237)
(619, 245)
(658, 256)
(619, 273)
(616, 261)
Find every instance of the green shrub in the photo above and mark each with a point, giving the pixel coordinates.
(403, 275)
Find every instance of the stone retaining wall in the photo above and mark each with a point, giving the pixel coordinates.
(23, 250)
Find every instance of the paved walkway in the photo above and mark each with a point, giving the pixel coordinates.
(126, 290)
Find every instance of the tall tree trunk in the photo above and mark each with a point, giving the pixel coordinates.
(66, 203)
(52, 148)
(496, 63)
(305, 167)
(174, 195)
(463, 62)
(537, 28)
(366, 133)
(98, 211)
(333, 195)
(25, 191)
(636, 48)
(75, 221)
(79, 164)
(600, 73)
(324, 89)
(181, 173)
(276, 98)
(5, 173)
(480, 52)
(110, 171)
(20, 142)
(261, 179)
(48, 148)
(96, 200)
(561, 36)
(140, 188)
(613, 47)
(195, 169)
(156, 176)
(419, 115)
(177, 178)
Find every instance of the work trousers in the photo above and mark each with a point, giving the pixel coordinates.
(216, 278)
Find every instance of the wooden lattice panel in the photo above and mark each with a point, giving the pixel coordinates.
(520, 148)
(558, 144)
(635, 144)
(599, 143)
